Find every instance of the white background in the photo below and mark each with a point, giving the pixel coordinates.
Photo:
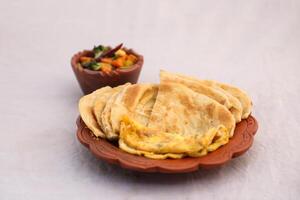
(252, 44)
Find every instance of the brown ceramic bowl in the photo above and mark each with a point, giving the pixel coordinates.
(90, 80)
(237, 145)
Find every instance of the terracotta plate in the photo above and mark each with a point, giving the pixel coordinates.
(239, 144)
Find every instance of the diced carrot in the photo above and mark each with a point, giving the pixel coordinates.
(129, 60)
(106, 60)
(85, 59)
(119, 62)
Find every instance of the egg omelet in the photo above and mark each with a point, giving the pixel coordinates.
(140, 140)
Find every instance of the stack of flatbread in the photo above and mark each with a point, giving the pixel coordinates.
(180, 116)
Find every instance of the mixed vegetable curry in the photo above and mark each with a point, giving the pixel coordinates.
(106, 59)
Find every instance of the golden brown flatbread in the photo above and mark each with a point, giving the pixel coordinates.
(85, 106)
(210, 89)
(182, 122)
(104, 117)
(135, 101)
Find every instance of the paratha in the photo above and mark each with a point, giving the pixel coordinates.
(135, 101)
(210, 89)
(103, 117)
(85, 106)
(100, 102)
(181, 122)
(241, 96)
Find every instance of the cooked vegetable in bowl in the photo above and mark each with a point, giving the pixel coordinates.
(106, 59)
(105, 66)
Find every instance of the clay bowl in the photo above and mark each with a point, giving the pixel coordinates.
(238, 144)
(90, 80)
